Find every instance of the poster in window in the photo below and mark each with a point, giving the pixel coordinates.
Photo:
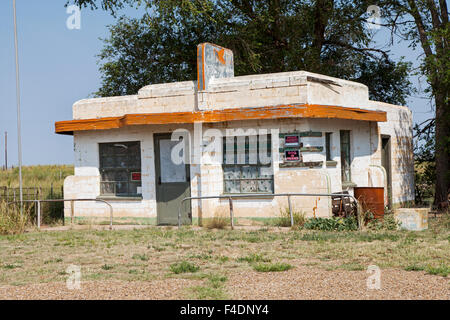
(291, 140)
(292, 155)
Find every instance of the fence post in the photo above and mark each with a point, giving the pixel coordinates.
(290, 211)
(231, 212)
(39, 214)
(72, 211)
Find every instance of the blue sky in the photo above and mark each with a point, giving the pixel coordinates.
(58, 66)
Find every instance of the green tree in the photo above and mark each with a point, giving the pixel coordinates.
(325, 36)
(425, 24)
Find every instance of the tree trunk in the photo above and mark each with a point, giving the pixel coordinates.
(442, 150)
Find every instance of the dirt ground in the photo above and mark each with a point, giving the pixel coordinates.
(147, 262)
(302, 283)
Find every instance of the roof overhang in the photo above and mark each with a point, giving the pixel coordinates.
(211, 116)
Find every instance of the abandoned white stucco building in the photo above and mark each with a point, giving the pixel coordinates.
(323, 135)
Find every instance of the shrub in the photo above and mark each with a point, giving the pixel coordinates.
(387, 223)
(11, 220)
(332, 224)
(272, 267)
(284, 220)
(183, 267)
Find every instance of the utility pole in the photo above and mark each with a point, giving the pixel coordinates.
(6, 150)
(19, 136)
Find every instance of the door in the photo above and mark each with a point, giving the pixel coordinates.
(386, 163)
(172, 183)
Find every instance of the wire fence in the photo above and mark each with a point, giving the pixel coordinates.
(51, 212)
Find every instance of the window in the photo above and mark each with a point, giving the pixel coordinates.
(247, 167)
(328, 146)
(120, 169)
(345, 156)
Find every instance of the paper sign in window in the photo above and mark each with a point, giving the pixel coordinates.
(170, 172)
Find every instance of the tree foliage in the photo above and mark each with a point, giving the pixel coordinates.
(324, 36)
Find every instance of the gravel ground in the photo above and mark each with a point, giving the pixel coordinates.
(303, 282)
(310, 283)
(167, 289)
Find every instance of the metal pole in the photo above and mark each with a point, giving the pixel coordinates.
(19, 136)
(231, 213)
(6, 150)
(38, 214)
(72, 209)
(290, 211)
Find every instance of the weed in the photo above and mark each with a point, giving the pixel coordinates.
(107, 267)
(183, 267)
(272, 267)
(219, 221)
(12, 266)
(254, 257)
(284, 220)
(222, 259)
(12, 220)
(442, 270)
(142, 257)
(414, 267)
(332, 224)
(387, 223)
(213, 289)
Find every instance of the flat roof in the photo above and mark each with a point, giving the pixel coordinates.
(232, 114)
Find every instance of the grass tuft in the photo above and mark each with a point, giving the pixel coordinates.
(254, 257)
(219, 221)
(107, 267)
(183, 267)
(142, 257)
(284, 220)
(12, 221)
(272, 267)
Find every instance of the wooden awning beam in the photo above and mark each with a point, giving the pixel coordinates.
(211, 116)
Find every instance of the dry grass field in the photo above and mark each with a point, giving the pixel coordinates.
(194, 263)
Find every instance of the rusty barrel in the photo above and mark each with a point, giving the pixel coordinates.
(371, 199)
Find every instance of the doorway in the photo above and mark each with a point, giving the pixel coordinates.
(173, 183)
(386, 163)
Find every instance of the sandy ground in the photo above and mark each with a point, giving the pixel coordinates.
(303, 282)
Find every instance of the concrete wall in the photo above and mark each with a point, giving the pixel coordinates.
(240, 92)
(207, 179)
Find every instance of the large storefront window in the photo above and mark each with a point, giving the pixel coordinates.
(345, 156)
(120, 169)
(247, 164)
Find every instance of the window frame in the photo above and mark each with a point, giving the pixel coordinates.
(328, 136)
(241, 166)
(127, 170)
(347, 145)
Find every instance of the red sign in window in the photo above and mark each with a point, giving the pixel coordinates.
(135, 176)
(291, 140)
(292, 155)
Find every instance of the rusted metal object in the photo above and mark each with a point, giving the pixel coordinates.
(371, 199)
(343, 206)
